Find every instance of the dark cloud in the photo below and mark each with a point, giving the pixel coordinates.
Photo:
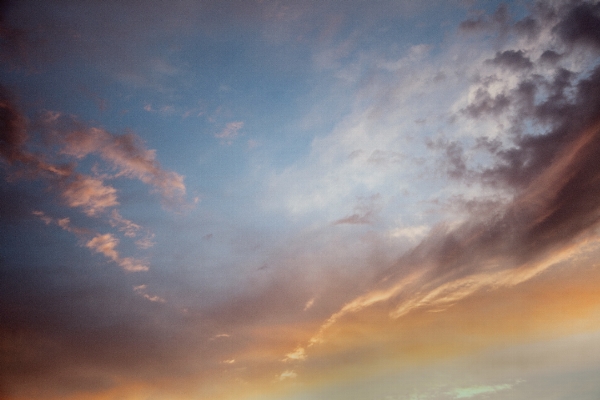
(575, 22)
(563, 117)
(545, 110)
(484, 104)
(557, 206)
(550, 165)
(513, 59)
(528, 27)
(550, 56)
(455, 163)
(581, 25)
(13, 135)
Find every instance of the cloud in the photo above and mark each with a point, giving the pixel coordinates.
(130, 228)
(581, 25)
(106, 244)
(145, 242)
(364, 301)
(469, 392)
(287, 375)
(64, 223)
(141, 290)
(512, 59)
(296, 355)
(13, 144)
(309, 304)
(90, 194)
(230, 132)
(365, 211)
(13, 134)
(546, 161)
(126, 153)
(413, 233)
(544, 164)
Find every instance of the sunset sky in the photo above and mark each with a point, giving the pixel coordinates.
(299, 200)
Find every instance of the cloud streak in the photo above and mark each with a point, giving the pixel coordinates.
(106, 244)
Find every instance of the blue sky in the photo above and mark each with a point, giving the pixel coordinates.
(299, 200)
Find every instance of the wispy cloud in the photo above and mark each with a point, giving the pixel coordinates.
(230, 132)
(289, 374)
(365, 212)
(130, 228)
(91, 194)
(64, 223)
(142, 291)
(106, 244)
(296, 355)
(126, 153)
(473, 391)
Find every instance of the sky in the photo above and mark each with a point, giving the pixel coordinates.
(299, 200)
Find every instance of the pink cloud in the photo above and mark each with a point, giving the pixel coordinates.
(128, 155)
(90, 194)
(106, 244)
(64, 223)
(124, 225)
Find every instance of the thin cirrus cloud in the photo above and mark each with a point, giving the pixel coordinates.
(230, 132)
(106, 245)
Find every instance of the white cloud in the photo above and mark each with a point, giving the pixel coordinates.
(296, 355)
(287, 375)
(473, 391)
